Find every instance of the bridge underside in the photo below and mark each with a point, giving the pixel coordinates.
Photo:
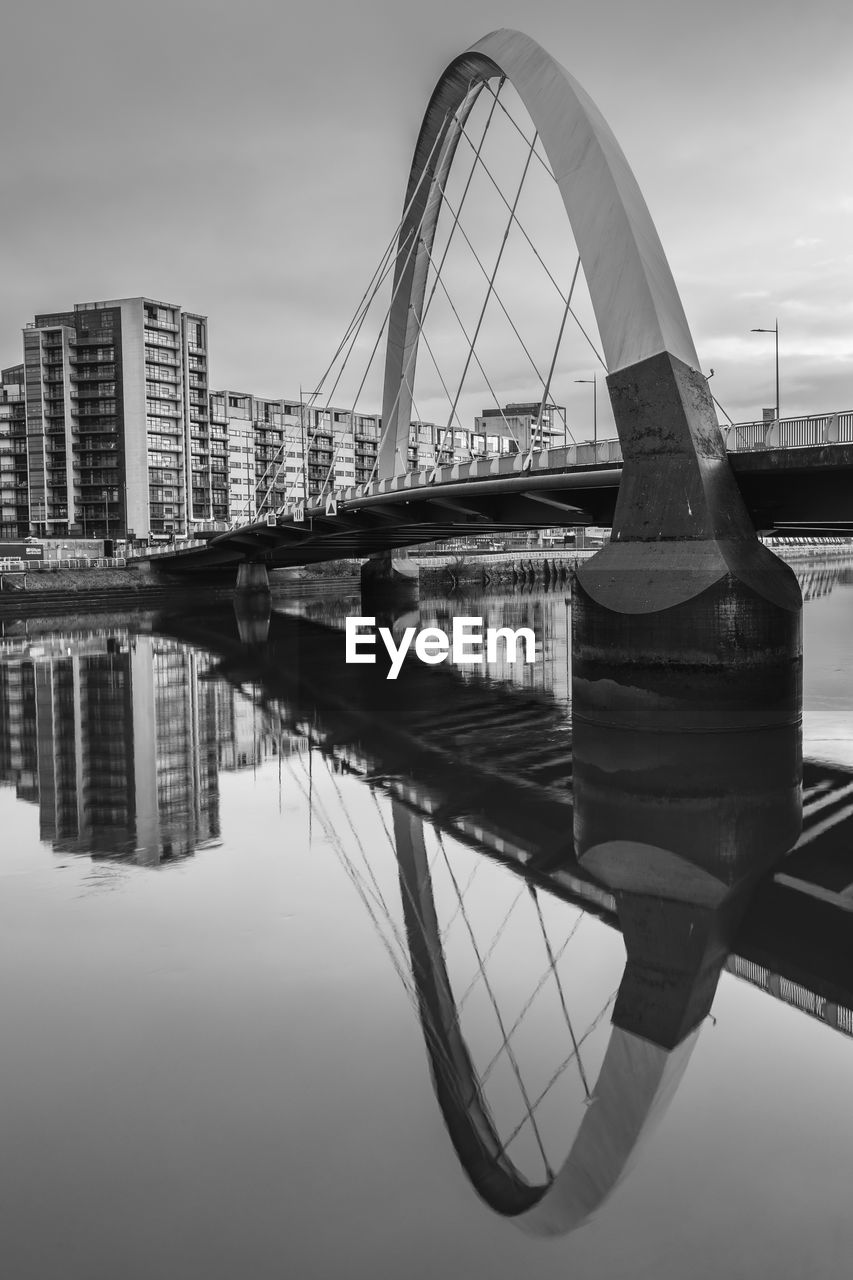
(803, 492)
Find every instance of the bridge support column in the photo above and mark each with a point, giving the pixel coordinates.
(685, 620)
(253, 603)
(389, 579)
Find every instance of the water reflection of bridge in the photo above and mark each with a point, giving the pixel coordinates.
(510, 804)
(513, 801)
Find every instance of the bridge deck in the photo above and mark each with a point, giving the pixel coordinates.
(806, 490)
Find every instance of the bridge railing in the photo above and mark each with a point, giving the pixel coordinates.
(790, 433)
(166, 549)
(739, 437)
(16, 565)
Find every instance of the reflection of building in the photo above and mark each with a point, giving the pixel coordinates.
(549, 619)
(246, 736)
(115, 739)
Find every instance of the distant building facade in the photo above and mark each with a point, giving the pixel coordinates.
(281, 452)
(518, 428)
(14, 489)
(109, 429)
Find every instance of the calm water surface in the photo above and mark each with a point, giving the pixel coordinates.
(299, 977)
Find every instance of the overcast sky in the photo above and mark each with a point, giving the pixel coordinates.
(247, 161)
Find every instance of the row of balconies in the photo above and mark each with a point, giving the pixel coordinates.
(157, 325)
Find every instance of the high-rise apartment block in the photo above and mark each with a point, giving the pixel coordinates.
(14, 500)
(117, 419)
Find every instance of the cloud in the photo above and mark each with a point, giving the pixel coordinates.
(807, 242)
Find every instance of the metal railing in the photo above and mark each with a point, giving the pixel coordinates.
(790, 433)
(17, 565)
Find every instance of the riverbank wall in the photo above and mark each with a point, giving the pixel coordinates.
(93, 590)
(139, 586)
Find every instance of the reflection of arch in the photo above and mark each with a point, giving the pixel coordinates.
(636, 303)
(634, 1087)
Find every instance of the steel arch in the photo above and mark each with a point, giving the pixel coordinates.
(636, 302)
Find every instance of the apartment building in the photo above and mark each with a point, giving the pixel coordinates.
(280, 452)
(117, 420)
(518, 428)
(14, 493)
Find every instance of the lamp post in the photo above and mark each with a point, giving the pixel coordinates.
(775, 331)
(594, 382)
(106, 495)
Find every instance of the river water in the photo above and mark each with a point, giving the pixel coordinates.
(300, 977)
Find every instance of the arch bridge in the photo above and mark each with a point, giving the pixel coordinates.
(668, 479)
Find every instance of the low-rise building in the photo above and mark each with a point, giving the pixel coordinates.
(518, 428)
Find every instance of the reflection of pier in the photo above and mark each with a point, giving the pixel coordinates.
(513, 798)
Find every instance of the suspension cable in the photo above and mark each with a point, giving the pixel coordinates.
(562, 1067)
(545, 165)
(491, 285)
(538, 255)
(547, 387)
(553, 964)
(476, 357)
(499, 301)
(355, 330)
(425, 310)
(375, 283)
(528, 1004)
(417, 239)
(509, 1051)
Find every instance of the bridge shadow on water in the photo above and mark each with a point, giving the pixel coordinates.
(706, 850)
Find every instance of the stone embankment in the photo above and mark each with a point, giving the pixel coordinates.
(554, 569)
(500, 571)
(90, 590)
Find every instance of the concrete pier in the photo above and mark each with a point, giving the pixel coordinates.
(685, 620)
(389, 579)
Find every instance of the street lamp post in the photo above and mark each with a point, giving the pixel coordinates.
(775, 331)
(594, 382)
